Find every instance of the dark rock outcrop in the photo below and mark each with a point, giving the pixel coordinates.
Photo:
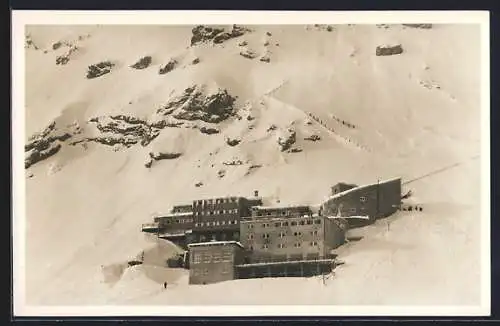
(209, 130)
(125, 130)
(232, 142)
(385, 50)
(41, 153)
(157, 156)
(193, 105)
(99, 69)
(313, 138)
(294, 150)
(142, 63)
(233, 162)
(168, 67)
(221, 173)
(265, 58)
(424, 26)
(62, 60)
(56, 45)
(287, 139)
(203, 33)
(44, 144)
(249, 54)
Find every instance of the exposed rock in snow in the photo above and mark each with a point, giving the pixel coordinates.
(157, 156)
(99, 69)
(248, 53)
(194, 104)
(168, 67)
(142, 63)
(384, 50)
(313, 137)
(424, 26)
(286, 139)
(209, 130)
(203, 33)
(44, 144)
(232, 142)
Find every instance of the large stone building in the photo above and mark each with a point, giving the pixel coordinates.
(373, 201)
(214, 261)
(219, 218)
(282, 237)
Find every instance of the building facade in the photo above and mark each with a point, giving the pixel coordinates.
(215, 261)
(291, 211)
(284, 238)
(375, 200)
(219, 218)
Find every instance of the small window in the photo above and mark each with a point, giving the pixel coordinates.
(205, 271)
(309, 222)
(353, 210)
(223, 222)
(250, 226)
(264, 225)
(217, 223)
(362, 199)
(268, 213)
(250, 236)
(265, 235)
(294, 223)
(283, 213)
(318, 221)
(301, 222)
(196, 224)
(211, 212)
(282, 234)
(284, 223)
(297, 245)
(277, 224)
(259, 214)
(265, 247)
(314, 243)
(281, 245)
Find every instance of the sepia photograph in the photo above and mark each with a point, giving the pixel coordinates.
(251, 163)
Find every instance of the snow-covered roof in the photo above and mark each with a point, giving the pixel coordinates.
(215, 243)
(280, 207)
(348, 217)
(175, 214)
(343, 193)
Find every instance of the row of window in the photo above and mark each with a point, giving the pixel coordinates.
(179, 221)
(216, 201)
(222, 211)
(296, 245)
(216, 223)
(281, 234)
(198, 258)
(204, 272)
(282, 224)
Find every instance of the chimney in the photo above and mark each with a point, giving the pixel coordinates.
(256, 193)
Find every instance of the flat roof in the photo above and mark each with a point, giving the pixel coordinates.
(340, 194)
(215, 243)
(288, 262)
(280, 207)
(363, 217)
(180, 214)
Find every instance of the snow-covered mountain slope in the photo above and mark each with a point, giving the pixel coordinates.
(376, 117)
